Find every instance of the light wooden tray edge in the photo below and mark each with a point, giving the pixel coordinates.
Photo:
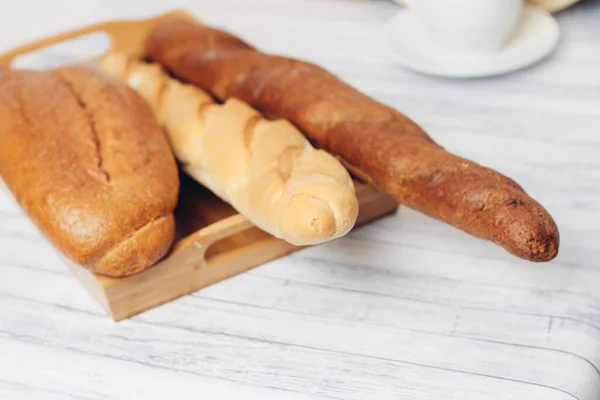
(187, 269)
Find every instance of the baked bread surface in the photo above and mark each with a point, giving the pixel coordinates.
(86, 160)
(377, 143)
(266, 169)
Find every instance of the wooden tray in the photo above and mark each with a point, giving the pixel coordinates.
(213, 241)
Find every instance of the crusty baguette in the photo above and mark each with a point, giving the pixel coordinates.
(266, 169)
(87, 161)
(378, 144)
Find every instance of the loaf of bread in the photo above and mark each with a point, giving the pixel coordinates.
(86, 160)
(267, 170)
(376, 143)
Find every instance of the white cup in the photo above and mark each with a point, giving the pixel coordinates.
(476, 26)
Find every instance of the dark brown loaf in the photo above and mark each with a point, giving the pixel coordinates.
(86, 160)
(377, 143)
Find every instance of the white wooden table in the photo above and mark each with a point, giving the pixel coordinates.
(405, 308)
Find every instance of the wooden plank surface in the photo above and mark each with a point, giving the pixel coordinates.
(405, 308)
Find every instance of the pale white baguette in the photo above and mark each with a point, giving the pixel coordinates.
(266, 169)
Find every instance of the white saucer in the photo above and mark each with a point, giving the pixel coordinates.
(408, 42)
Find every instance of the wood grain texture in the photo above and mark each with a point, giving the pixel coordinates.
(405, 308)
(214, 243)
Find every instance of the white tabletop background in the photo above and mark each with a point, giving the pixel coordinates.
(405, 308)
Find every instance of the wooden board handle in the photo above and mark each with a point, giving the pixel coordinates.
(213, 233)
(126, 35)
(205, 237)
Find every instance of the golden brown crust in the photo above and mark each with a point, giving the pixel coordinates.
(86, 160)
(140, 249)
(377, 143)
(266, 169)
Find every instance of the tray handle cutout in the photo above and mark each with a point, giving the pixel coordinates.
(127, 36)
(79, 50)
(205, 237)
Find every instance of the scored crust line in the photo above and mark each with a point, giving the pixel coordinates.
(92, 124)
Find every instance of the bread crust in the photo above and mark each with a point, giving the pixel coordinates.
(376, 142)
(267, 170)
(86, 160)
